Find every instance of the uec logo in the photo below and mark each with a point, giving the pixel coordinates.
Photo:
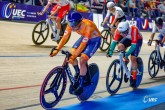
(148, 99)
(10, 9)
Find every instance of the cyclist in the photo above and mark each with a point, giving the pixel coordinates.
(85, 46)
(128, 36)
(117, 12)
(159, 26)
(61, 7)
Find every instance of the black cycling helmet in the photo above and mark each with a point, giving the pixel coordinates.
(159, 21)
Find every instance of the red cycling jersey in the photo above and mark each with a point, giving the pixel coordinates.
(133, 34)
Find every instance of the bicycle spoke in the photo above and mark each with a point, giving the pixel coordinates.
(38, 37)
(55, 93)
(111, 82)
(50, 90)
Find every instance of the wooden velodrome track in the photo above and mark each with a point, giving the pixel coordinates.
(23, 67)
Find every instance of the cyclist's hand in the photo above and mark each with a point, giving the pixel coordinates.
(161, 44)
(53, 53)
(102, 24)
(149, 43)
(71, 59)
(109, 53)
(39, 13)
(125, 59)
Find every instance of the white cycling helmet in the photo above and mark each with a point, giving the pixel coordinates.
(123, 26)
(110, 5)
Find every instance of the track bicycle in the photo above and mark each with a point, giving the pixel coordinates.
(107, 37)
(54, 84)
(118, 69)
(41, 30)
(156, 61)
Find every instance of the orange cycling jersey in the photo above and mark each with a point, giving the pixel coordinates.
(133, 34)
(87, 29)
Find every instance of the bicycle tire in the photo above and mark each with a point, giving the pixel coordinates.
(154, 63)
(89, 90)
(37, 39)
(118, 77)
(58, 83)
(140, 72)
(106, 40)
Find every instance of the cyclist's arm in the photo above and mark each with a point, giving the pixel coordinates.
(134, 35)
(153, 32)
(64, 38)
(46, 8)
(106, 17)
(114, 21)
(114, 42)
(56, 11)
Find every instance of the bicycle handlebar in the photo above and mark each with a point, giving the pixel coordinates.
(65, 52)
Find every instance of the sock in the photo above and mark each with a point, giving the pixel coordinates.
(134, 73)
(58, 32)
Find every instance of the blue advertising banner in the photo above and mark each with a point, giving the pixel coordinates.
(22, 12)
(14, 11)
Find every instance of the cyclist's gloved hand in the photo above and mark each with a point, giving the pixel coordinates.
(71, 59)
(109, 53)
(39, 13)
(149, 43)
(102, 24)
(53, 53)
(161, 44)
(125, 59)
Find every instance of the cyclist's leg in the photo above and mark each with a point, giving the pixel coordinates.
(61, 13)
(160, 38)
(88, 52)
(75, 64)
(124, 43)
(134, 55)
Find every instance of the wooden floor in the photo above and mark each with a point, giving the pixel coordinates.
(23, 66)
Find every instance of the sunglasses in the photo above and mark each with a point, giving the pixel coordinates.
(73, 24)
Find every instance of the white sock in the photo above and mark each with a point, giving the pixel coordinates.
(58, 32)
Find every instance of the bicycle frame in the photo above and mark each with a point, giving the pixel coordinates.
(122, 64)
(66, 67)
(158, 52)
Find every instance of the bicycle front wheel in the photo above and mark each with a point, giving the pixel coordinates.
(106, 39)
(53, 88)
(153, 64)
(114, 77)
(40, 33)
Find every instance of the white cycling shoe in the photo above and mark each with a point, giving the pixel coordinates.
(56, 38)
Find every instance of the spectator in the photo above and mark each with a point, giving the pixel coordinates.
(147, 9)
(154, 10)
(133, 8)
(124, 5)
(161, 8)
(38, 3)
(142, 10)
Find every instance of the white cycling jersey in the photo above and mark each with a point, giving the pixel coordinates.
(155, 28)
(59, 2)
(118, 12)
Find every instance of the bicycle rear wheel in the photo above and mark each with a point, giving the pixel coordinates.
(40, 33)
(53, 88)
(153, 64)
(114, 77)
(106, 39)
(90, 88)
